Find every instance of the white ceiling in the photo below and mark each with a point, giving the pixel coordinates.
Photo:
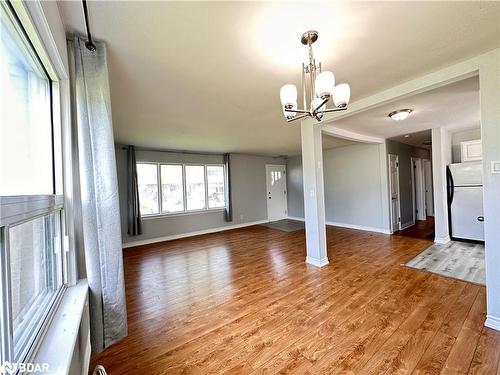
(417, 139)
(455, 106)
(206, 76)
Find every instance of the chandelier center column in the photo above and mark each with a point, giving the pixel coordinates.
(314, 198)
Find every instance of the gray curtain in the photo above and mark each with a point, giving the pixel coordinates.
(134, 221)
(99, 193)
(228, 212)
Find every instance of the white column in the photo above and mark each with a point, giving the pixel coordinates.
(489, 82)
(314, 197)
(441, 157)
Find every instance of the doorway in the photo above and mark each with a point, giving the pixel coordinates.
(276, 192)
(429, 195)
(394, 192)
(418, 190)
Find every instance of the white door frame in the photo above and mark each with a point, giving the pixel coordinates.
(416, 167)
(391, 189)
(285, 192)
(429, 203)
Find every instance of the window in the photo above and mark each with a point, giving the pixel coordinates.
(172, 189)
(26, 127)
(147, 180)
(195, 187)
(32, 266)
(184, 188)
(215, 188)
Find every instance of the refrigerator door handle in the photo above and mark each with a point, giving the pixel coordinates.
(451, 186)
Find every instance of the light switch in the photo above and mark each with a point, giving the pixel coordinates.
(495, 167)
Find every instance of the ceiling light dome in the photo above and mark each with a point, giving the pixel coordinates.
(400, 114)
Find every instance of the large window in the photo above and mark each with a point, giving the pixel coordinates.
(32, 268)
(184, 188)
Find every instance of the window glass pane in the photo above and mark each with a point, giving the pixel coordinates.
(147, 181)
(172, 194)
(35, 275)
(195, 187)
(25, 126)
(215, 181)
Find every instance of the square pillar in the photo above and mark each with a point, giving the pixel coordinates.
(489, 82)
(441, 157)
(314, 197)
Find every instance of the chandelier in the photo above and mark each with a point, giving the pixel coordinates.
(320, 88)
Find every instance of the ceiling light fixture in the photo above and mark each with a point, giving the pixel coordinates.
(321, 88)
(400, 114)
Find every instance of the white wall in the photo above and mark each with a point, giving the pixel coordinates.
(355, 193)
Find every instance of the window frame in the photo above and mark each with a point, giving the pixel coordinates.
(18, 209)
(185, 211)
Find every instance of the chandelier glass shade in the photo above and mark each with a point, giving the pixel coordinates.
(316, 90)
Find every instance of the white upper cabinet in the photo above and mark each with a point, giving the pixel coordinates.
(472, 151)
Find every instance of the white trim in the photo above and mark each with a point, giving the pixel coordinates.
(295, 218)
(317, 262)
(191, 234)
(350, 135)
(442, 240)
(359, 227)
(492, 322)
(64, 330)
(350, 226)
(407, 225)
(399, 227)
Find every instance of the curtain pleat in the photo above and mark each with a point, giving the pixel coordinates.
(134, 221)
(100, 221)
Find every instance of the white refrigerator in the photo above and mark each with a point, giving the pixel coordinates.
(465, 201)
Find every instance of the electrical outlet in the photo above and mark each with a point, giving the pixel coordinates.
(241, 217)
(495, 167)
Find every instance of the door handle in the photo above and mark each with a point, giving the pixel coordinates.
(480, 218)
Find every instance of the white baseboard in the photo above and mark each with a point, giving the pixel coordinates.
(190, 234)
(492, 322)
(442, 240)
(407, 225)
(359, 227)
(350, 226)
(296, 218)
(317, 262)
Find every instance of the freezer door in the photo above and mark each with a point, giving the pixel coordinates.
(466, 174)
(466, 208)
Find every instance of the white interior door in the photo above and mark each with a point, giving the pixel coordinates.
(429, 193)
(276, 192)
(394, 192)
(419, 189)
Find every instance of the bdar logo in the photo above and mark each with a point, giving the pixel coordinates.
(7, 368)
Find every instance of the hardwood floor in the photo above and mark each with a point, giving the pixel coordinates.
(245, 302)
(423, 229)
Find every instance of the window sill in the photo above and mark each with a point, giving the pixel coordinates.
(58, 344)
(197, 212)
